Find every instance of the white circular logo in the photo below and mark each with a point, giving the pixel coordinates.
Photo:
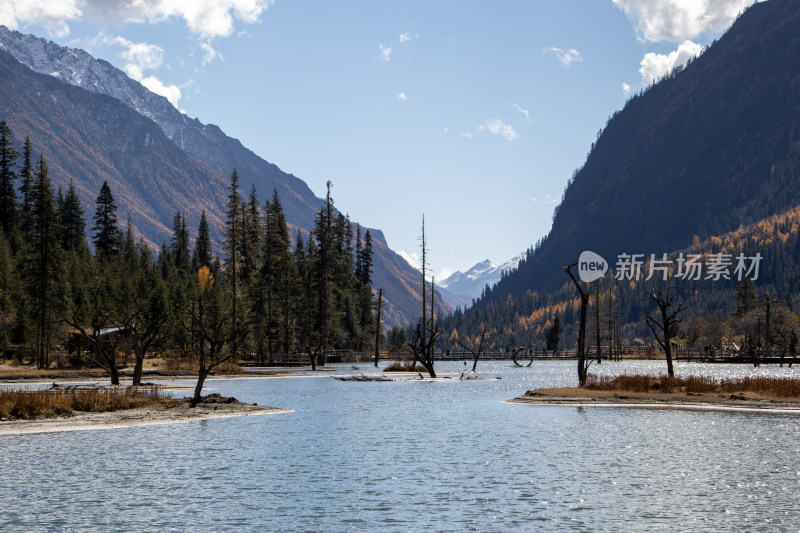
(591, 266)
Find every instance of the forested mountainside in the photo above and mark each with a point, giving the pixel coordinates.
(695, 160)
(706, 149)
(207, 142)
(91, 138)
(525, 320)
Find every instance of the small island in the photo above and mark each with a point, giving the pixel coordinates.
(81, 408)
(662, 392)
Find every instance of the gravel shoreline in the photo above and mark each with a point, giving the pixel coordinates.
(743, 402)
(169, 412)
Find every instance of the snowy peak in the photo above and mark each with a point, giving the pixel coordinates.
(206, 142)
(80, 69)
(472, 282)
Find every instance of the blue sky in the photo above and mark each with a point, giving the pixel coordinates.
(473, 113)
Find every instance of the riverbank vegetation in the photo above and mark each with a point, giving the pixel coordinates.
(765, 386)
(24, 404)
(110, 300)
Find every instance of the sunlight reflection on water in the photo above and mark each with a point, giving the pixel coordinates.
(444, 456)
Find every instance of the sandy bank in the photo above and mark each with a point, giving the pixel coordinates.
(171, 412)
(743, 402)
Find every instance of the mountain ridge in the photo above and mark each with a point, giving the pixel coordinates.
(471, 284)
(151, 198)
(694, 154)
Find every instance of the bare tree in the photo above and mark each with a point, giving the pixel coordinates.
(475, 347)
(215, 329)
(516, 351)
(144, 315)
(786, 328)
(379, 308)
(427, 332)
(583, 364)
(669, 319)
(103, 346)
(422, 343)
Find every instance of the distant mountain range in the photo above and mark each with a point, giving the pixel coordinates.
(94, 123)
(466, 286)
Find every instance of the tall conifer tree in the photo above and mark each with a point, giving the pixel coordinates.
(108, 237)
(8, 196)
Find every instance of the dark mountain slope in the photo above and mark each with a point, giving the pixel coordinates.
(206, 142)
(91, 138)
(705, 150)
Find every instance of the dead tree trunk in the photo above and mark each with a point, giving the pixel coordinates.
(378, 328)
(583, 367)
(476, 353)
(664, 300)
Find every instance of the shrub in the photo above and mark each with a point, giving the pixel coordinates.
(48, 403)
(411, 366)
(775, 387)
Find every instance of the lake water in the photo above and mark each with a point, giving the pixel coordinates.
(417, 456)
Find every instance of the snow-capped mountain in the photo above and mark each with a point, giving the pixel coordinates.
(206, 142)
(473, 281)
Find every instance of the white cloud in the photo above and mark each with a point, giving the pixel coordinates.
(408, 36)
(465, 135)
(655, 66)
(548, 199)
(495, 126)
(208, 18)
(140, 57)
(444, 274)
(386, 53)
(170, 92)
(209, 54)
(53, 15)
(443, 131)
(626, 89)
(411, 258)
(567, 57)
(402, 97)
(524, 112)
(679, 20)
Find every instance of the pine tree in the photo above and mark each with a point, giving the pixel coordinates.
(180, 243)
(8, 196)
(26, 187)
(364, 272)
(130, 252)
(251, 237)
(322, 268)
(72, 224)
(202, 246)
(108, 237)
(278, 274)
(233, 242)
(45, 261)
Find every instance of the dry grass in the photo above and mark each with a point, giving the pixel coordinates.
(48, 403)
(411, 366)
(773, 387)
(185, 364)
